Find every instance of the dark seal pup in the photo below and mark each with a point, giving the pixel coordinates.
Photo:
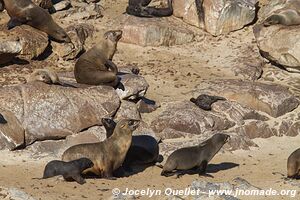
(196, 157)
(107, 155)
(26, 12)
(293, 165)
(144, 149)
(140, 8)
(69, 170)
(205, 101)
(288, 17)
(95, 67)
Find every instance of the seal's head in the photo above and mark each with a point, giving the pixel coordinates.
(42, 76)
(114, 35)
(220, 138)
(85, 163)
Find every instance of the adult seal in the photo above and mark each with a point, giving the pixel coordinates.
(107, 155)
(195, 157)
(293, 165)
(140, 8)
(95, 67)
(287, 17)
(69, 170)
(143, 150)
(26, 12)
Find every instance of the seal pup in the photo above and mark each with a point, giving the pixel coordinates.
(195, 157)
(26, 12)
(95, 67)
(69, 170)
(293, 165)
(107, 155)
(205, 101)
(140, 8)
(288, 17)
(144, 149)
(47, 76)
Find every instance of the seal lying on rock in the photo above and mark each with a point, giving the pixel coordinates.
(196, 157)
(47, 76)
(293, 165)
(140, 8)
(107, 155)
(69, 170)
(205, 101)
(288, 17)
(26, 12)
(144, 149)
(95, 67)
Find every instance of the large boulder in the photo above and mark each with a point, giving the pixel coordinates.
(280, 44)
(54, 112)
(216, 16)
(186, 119)
(155, 32)
(25, 41)
(224, 16)
(275, 100)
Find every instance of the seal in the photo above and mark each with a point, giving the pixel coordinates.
(1, 5)
(143, 150)
(69, 170)
(195, 157)
(107, 155)
(95, 67)
(287, 17)
(140, 8)
(293, 165)
(205, 101)
(47, 76)
(26, 12)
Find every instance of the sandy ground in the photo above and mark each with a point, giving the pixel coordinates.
(172, 72)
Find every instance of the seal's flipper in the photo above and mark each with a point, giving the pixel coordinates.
(13, 22)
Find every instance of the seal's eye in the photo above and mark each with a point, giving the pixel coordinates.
(130, 122)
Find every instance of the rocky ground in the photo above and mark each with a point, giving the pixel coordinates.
(261, 114)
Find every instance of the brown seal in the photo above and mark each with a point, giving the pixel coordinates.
(26, 12)
(69, 170)
(144, 149)
(194, 157)
(47, 76)
(95, 67)
(107, 155)
(293, 165)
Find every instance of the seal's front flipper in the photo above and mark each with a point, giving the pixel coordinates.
(13, 22)
(79, 179)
